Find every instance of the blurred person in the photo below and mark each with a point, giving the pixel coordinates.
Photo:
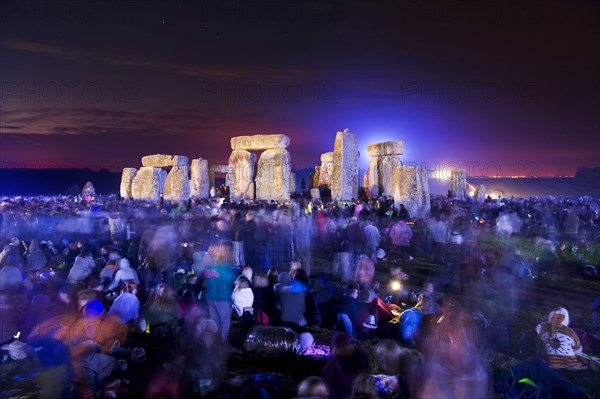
(206, 358)
(370, 240)
(439, 233)
(346, 309)
(82, 268)
(401, 236)
(126, 306)
(35, 259)
(455, 365)
(292, 299)
(13, 251)
(125, 273)
(363, 387)
(365, 271)
(348, 360)
(238, 232)
(313, 387)
(107, 273)
(242, 296)
(218, 286)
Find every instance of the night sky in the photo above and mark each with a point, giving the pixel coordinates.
(498, 87)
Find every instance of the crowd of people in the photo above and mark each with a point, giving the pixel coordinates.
(103, 287)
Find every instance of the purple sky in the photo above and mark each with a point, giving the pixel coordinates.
(500, 88)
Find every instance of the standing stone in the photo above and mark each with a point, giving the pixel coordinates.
(177, 184)
(387, 168)
(326, 169)
(344, 179)
(242, 164)
(126, 182)
(480, 193)
(315, 193)
(458, 183)
(385, 158)
(259, 142)
(373, 178)
(292, 182)
(146, 184)
(411, 189)
(316, 177)
(199, 178)
(273, 175)
(365, 182)
(163, 161)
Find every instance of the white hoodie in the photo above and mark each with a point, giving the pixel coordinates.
(242, 298)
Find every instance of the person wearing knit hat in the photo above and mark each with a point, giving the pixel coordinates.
(560, 342)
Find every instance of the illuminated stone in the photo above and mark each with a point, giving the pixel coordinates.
(381, 174)
(458, 183)
(177, 184)
(273, 175)
(344, 178)
(241, 176)
(386, 148)
(292, 182)
(163, 161)
(411, 189)
(316, 177)
(146, 184)
(315, 193)
(259, 142)
(480, 193)
(199, 178)
(326, 169)
(126, 182)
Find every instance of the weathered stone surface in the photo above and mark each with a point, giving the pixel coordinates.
(365, 181)
(326, 169)
(199, 178)
(480, 193)
(273, 175)
(146, 184)
(293, 188)
(458, 183)
(219, 168)
(259, 142)
(327, 157)
(163, 161)
(381, 174)
(386, 148)
(411, 188)
(316, 177)
(177, 184)
(344, 178)
(126, 182)
(242, 164)
(315, 193)
(372, 178)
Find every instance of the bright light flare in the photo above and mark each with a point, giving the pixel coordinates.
(396, 285)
